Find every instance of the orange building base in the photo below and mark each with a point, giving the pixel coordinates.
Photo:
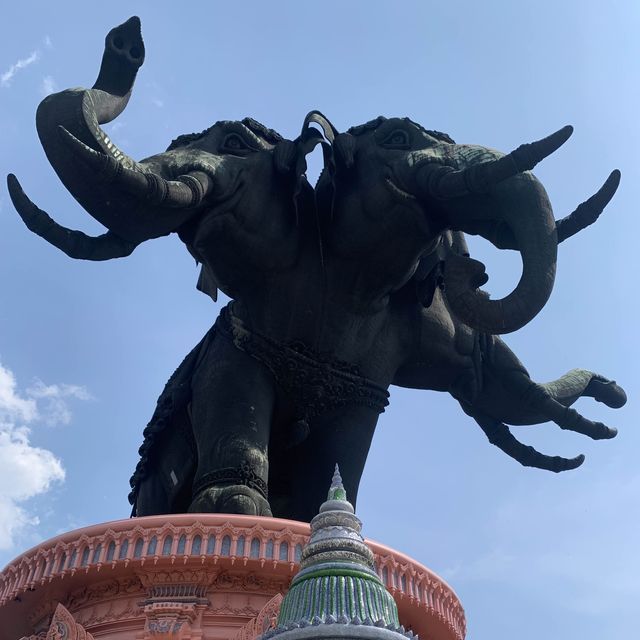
(189, 577)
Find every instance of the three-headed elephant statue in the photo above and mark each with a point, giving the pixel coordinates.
(338, 291)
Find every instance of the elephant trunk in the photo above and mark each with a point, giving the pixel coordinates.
(525, 208)
(484, 188)
(131, 199)
(81, 111)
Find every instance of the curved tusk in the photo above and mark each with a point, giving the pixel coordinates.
(186, 192)
(75, 244)
(444, 182)
(589, 211)
(501, 236)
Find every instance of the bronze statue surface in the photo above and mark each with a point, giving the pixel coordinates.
(338, 291)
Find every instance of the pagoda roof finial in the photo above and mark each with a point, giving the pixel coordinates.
(336, 490)
(338, 568)
(337, 495)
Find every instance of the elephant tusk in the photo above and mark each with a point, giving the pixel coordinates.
(589, 211)
(445, 182)
(75, 244)
(500, 234)
(186, 192)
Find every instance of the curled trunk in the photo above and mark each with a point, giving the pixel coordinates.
(135, 201)
(81, 111)
(509, 198)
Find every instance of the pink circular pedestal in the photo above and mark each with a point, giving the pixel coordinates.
(189, 577)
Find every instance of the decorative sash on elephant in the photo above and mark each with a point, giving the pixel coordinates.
(314, 382)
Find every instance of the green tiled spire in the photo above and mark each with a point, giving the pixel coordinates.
(337, 582)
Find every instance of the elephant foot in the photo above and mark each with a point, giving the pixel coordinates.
(606, 391)
(236, 498)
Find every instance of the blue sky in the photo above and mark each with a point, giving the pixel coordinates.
(85, 349)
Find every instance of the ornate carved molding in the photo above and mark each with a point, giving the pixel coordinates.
(252, 582)
(171, 620)
(103, 591)
(114, 612)
(65, 627)
(206, 554)
(42, 612)
(174, 601)
(265, 620)
(198, 577)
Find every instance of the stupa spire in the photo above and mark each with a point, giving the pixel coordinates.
(336, 490)
(337, 583)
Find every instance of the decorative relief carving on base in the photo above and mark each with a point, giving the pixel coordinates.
(65, 627)
(113, 611)
(40, 616)
(173, 620)
(265, 620)
(104, 591)
(175, 602)
(107, 601)
(196, 577)
(221, 573)
(252, 582)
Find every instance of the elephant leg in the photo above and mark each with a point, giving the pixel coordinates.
(231, 412)
(531, 403)
(500, 436)
(303, 473)
(540, 405)
(569, 419)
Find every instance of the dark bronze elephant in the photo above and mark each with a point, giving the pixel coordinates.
(489, 381)
(265, 377)
(338, 291)
(420, 188)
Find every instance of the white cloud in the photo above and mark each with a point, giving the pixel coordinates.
(54, 409)
(27, 471)
(47, 42)
(48, 86)
(158, 102)
(12, 406)
(8, 75)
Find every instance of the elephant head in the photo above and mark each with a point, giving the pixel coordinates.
(412, 184)
(233, 169)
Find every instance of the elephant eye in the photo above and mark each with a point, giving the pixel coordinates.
(234, 143)
(398, 139)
